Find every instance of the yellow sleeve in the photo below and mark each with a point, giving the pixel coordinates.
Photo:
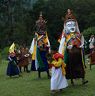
(58, 63)
(63, 64)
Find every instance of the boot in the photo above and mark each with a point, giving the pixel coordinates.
(84, 81)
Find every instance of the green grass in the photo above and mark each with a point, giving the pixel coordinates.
(30, 85)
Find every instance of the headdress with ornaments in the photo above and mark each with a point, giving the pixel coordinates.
(69, 16)
(41, 14)
(41, 25)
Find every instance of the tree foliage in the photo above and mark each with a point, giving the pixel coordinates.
(18, 17)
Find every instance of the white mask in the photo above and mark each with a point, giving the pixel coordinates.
(70, 26)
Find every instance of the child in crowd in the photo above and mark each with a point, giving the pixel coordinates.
(12, 68)
(58, 80)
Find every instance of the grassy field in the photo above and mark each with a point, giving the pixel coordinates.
(30, 85)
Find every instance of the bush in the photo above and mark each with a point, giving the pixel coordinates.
(87, 33)
(4, 52)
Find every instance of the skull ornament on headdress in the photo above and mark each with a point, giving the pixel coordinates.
(70, 23)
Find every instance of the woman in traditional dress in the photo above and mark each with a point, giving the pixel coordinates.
(12, 68)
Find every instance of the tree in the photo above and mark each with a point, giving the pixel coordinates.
(12, 20)
(18, 17)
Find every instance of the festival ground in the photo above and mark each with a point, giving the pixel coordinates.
(30, 85)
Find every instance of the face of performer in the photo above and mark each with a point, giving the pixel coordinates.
(70, 26)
